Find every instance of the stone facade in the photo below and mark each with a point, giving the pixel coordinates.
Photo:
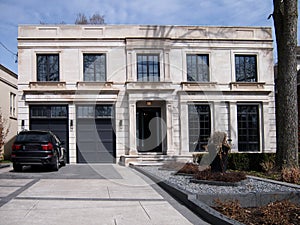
(145, 77)
(8, 107)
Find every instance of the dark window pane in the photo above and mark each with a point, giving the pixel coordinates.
(94, 67)
(199, 126)
(248, 127)
(148, 68)
(47, 67)
(197, 68)
(50, 111)
(245, 68)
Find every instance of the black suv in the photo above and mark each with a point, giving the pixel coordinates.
(38, 148)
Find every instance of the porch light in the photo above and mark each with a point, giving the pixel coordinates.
(148, 103)
(71, 124)
(22, 124)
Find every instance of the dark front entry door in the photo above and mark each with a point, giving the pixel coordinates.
(149, 130)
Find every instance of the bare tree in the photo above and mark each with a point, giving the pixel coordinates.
(285, 17)
(3, 134)
(81, 19)
(96, 18)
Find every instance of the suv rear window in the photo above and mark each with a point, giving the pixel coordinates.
(32, 137)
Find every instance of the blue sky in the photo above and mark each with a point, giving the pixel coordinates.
(160, 12)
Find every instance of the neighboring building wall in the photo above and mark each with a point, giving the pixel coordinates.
(8, 93)
(222, 99)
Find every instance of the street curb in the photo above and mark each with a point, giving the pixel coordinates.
(190, 200)
(4, 165)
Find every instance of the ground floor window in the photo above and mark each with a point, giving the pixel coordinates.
(199, 121)
(248, 127)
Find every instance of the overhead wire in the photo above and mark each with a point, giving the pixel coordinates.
(11, 52)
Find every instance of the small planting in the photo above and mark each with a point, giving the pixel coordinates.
(291, 175)
(231, 177)
(275, 213)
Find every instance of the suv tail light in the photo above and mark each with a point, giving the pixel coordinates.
(16, 147)
(47, 147)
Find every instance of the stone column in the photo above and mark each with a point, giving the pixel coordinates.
(132, 128)
(169, 133)
(233, 125)
(167, 66)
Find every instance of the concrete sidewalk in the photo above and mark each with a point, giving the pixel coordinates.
(126, 198)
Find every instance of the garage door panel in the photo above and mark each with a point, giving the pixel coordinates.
(95, 141)
(58, 126)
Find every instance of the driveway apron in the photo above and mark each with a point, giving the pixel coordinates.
(86, 194)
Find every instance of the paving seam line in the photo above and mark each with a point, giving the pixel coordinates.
(13, 195)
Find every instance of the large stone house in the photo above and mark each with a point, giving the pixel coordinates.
(8, 108)
(128, 92)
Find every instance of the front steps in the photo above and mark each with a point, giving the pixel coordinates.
(151, 159)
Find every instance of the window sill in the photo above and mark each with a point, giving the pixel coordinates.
(43, 84)
(150, 86)
(253, 86)
(96, 86)
(198, 86)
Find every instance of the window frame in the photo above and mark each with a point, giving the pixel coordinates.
(248, 129)
(198, 73)
(147, 78)
(95, 74)
(47, 77)
(48, 111)
(92, 111)
(13, 104)
(245, 78)
(196, 145)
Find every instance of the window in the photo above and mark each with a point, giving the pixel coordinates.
(94, 67)
(54, 111)
(97, 112)
(245, 68)
(47, 67)
(12, 108)
(148, 68)
(248, 127)
(197, 68)
(199, 126)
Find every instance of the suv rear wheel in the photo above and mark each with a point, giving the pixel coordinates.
(55, 166)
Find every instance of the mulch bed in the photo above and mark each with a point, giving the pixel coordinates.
(275, 213)
(231, 177)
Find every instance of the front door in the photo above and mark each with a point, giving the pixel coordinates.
(149, 130)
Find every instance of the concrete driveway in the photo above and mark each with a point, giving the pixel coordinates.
(87, 194)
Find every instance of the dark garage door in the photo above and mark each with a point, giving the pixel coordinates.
(95, 134)
(53, 118)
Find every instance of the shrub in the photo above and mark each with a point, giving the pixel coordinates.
(291, 175)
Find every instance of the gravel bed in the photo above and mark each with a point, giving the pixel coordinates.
(183, 183)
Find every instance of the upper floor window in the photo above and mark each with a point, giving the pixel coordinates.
(12, 108)
(94, 67)
(245, 68)
(197, 68)
(47, 67)
(148, 67)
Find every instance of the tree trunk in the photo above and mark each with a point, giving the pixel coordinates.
(285, 17)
